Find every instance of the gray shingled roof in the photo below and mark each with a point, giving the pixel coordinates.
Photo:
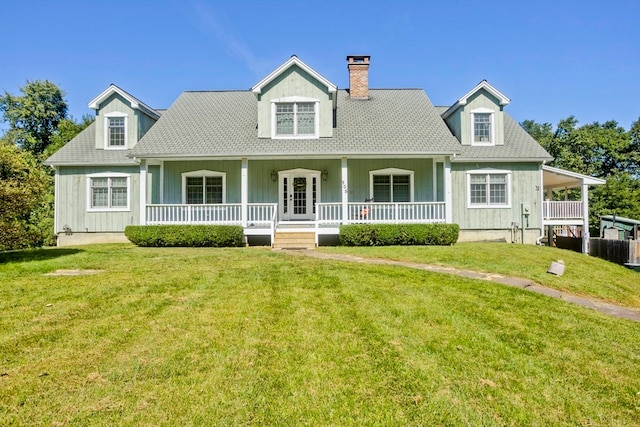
(518, 145)
(391, 122)
(81, 150)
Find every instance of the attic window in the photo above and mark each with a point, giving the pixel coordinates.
(115, 131)
(298, 119)
(482, 122)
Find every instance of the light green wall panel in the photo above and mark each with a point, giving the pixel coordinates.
(440, 181)
(262, 189)
(144, 123)
(295, 82)
(359, 169)
(153, 184)
(71, 201)
(525, 189)
(173, 177)
(460, 121)
(115, 103)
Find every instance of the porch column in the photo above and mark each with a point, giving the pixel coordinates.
(244, 190)
(143, 192)
(585, 218)
(448, 196)
(345, 191)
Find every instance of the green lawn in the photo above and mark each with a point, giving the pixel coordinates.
(249, 336)
(584, 275)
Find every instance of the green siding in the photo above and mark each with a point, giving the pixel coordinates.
(263, 190)
(440, 181)
(153, 184)
(525, 189)
(460, 121)
(359, 188)
(173, 177)
(295, 82)
(116, 103)
(144, 124)
(71, 202)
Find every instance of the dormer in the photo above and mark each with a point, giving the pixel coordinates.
(295, 102)
(477, 118)
(121, 119)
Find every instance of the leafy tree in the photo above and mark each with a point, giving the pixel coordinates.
(66, 131)
(34, 117)
(23, 187)
(601, 150)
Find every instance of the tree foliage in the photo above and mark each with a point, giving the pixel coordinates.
(34, 116)
(605, 151)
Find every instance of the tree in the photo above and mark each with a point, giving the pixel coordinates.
(600, 150)
(23, 187)
(34, 117)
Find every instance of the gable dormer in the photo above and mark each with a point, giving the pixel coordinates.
(477, 118)
(295, 102)
(121, 119)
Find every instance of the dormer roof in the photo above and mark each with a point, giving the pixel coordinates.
(502, 99)
(294, 60)
(136, 104)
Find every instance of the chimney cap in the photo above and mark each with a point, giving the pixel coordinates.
(358, 59)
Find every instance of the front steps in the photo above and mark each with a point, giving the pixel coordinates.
(294, 239)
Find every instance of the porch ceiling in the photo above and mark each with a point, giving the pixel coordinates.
(560, 178)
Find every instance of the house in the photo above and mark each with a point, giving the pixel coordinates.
(295, 157)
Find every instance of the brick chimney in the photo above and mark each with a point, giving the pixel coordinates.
(358, 66)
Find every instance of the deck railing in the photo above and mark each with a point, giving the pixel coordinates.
(226, 214)
(562, 210)
(390, 213)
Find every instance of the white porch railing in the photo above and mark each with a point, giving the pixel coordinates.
(562, 210)
(260, 214)
(391, 213)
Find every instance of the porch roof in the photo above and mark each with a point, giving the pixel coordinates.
(553, 178)
(393, 122)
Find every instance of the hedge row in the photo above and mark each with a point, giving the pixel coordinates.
(216, 236)
(398, 234)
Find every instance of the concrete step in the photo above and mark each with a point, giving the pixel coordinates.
(294, 240)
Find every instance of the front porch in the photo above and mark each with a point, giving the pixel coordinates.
(263, 219)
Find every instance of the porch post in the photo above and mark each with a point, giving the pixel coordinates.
(244, 189)
(143, 192)
(585, 218)
(448, 196)
(345, 191)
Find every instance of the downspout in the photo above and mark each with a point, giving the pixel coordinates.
(541, 199)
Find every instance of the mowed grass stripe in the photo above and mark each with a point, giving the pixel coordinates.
(253, 337)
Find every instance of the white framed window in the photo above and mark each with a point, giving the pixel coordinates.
(109, 191)
(203, 187)
(294, 117)
(115, 131)
(391, 185)
(489, 188)
(482, 127)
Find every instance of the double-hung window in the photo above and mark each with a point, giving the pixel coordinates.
(391, 185)
(482, 127)
(115, 130)
(489, 189)
(108, 192)
(295, 118)
(203, 187)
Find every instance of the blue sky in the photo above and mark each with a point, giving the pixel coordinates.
(552, 58)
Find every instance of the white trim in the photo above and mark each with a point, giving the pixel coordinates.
(492, 126)
(391, 172)
(295, 100)
(502, 99)
(448, 194)
(56, 191)
(143, 192)
(135, 103)
(309, 174)
(586, 179)
(244, 190)
(112, 115)
(201, 174)
(344, 190)
(489, 171)
(108, 175)
(294, 60)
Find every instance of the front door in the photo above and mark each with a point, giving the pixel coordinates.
(299, 191)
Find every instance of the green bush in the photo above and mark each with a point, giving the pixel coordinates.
(216, 236)
(398, 234)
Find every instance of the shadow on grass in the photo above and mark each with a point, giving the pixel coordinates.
(29, 255)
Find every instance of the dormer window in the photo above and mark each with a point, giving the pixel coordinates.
(482, 127)
(295, 118)
(115, 131)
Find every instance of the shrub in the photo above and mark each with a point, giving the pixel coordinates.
(216, 236)
(398, 234)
